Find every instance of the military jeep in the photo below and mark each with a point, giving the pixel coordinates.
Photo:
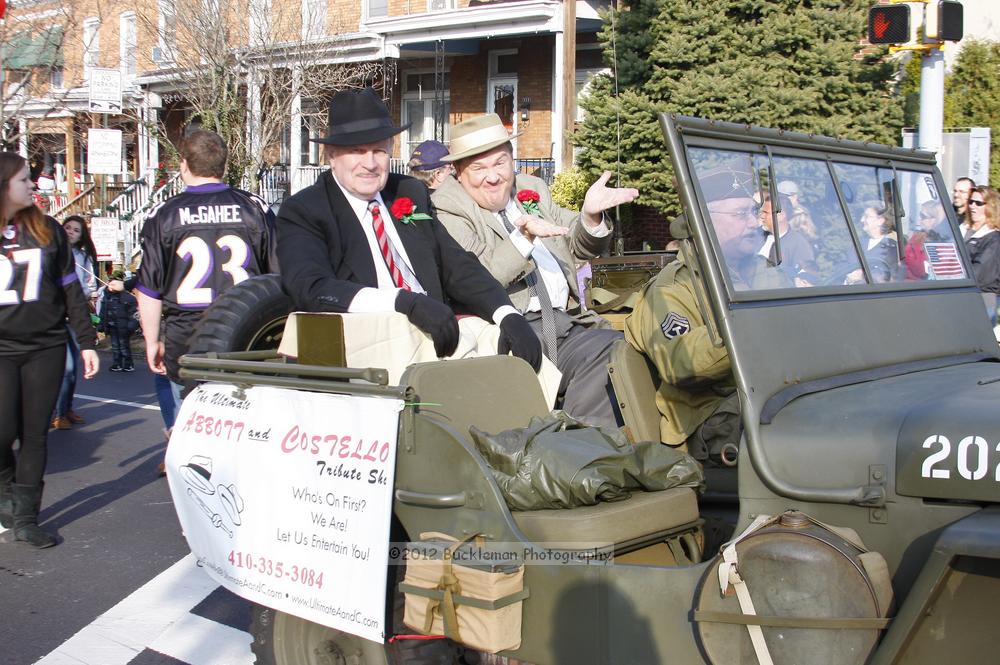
(860, 506)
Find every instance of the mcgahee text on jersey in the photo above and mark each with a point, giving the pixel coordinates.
(220, 214)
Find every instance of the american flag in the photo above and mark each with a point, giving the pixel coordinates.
(944, 261)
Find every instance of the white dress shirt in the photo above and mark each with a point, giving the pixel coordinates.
(383, 298)
(548, 266)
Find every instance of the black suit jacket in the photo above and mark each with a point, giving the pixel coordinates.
(325, 258)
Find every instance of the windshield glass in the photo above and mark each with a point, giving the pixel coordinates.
(783, 222)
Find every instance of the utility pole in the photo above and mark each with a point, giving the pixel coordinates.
(568, 110)
(931, 130)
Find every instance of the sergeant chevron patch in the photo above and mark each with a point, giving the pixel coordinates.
(674, 325)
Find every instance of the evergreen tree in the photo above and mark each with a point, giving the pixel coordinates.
(790, 64)
(972, 95)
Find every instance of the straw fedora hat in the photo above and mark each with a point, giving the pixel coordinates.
(477, 135)
(358, 117)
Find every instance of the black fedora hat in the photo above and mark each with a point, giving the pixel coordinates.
(357, 117)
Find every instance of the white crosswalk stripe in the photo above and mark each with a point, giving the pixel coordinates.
(158, 616)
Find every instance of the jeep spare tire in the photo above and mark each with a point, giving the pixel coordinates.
(247, 317)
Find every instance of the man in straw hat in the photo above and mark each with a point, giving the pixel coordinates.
(363, 240)
(531, 246)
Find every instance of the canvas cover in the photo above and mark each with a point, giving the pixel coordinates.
(559, 462)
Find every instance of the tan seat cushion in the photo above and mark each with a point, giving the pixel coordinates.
(388, 340)
(642, 514)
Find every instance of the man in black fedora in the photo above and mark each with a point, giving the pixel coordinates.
(362, 239)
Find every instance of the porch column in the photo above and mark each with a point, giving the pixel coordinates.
(253, 127)
(71, 156)
(558, 98)
(146, 162)
(295, 135)
(22, 141)
(152, 118)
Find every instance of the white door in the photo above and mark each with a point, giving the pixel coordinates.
(502, 100)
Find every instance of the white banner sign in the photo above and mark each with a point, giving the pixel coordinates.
(104, 150)
(285, 497)
(105, 233)
(105, 90)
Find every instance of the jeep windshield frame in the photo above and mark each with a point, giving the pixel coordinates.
(780, 336)
(841, 236)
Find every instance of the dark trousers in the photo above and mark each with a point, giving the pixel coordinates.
(585, 391)
(121, 349)
(29, 385)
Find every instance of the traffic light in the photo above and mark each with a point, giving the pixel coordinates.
(889, 24)
(947, 24)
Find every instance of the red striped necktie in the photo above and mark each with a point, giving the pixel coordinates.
(385, 246)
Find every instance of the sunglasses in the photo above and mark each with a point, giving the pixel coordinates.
(976, 203)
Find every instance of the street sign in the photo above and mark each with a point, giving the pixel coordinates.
(105, 91)
(104, 231)
(104, 151)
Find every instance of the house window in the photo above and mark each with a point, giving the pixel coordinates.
(503, 63)
(91, 45)
(167, 27)
(439, 5)
(313, 127)
(421, 105)
(313, 19)
(376, 8)
(127, 43)
(56, 78)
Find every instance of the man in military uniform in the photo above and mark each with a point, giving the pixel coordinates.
(667, 326)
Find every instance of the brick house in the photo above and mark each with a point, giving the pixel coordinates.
(435, 61)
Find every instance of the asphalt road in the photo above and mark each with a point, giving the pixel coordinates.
(119, 587)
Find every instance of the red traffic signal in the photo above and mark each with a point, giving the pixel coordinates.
(889, 24)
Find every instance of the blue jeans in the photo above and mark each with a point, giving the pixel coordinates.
(121, 349)
(168, 394)
(64, 404)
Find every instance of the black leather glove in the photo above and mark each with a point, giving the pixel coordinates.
(517, 336)
(433, 317)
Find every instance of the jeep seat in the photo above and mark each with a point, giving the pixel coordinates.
(498, 393)
(642, 518)
(634, 380)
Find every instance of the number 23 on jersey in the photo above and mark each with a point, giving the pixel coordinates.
(201, 258)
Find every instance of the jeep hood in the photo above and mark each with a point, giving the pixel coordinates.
(949, 445)
(895, 430)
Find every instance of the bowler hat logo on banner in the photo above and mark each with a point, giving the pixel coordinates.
(358, 117)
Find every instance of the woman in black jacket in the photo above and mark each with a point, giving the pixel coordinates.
(39, 288)
(984, 244)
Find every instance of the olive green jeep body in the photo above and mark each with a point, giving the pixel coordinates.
(870, 405)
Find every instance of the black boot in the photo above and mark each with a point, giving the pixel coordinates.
(6, 502)
(27, 502)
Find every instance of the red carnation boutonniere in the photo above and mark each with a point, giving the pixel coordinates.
(403, 210)
(529, 198)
